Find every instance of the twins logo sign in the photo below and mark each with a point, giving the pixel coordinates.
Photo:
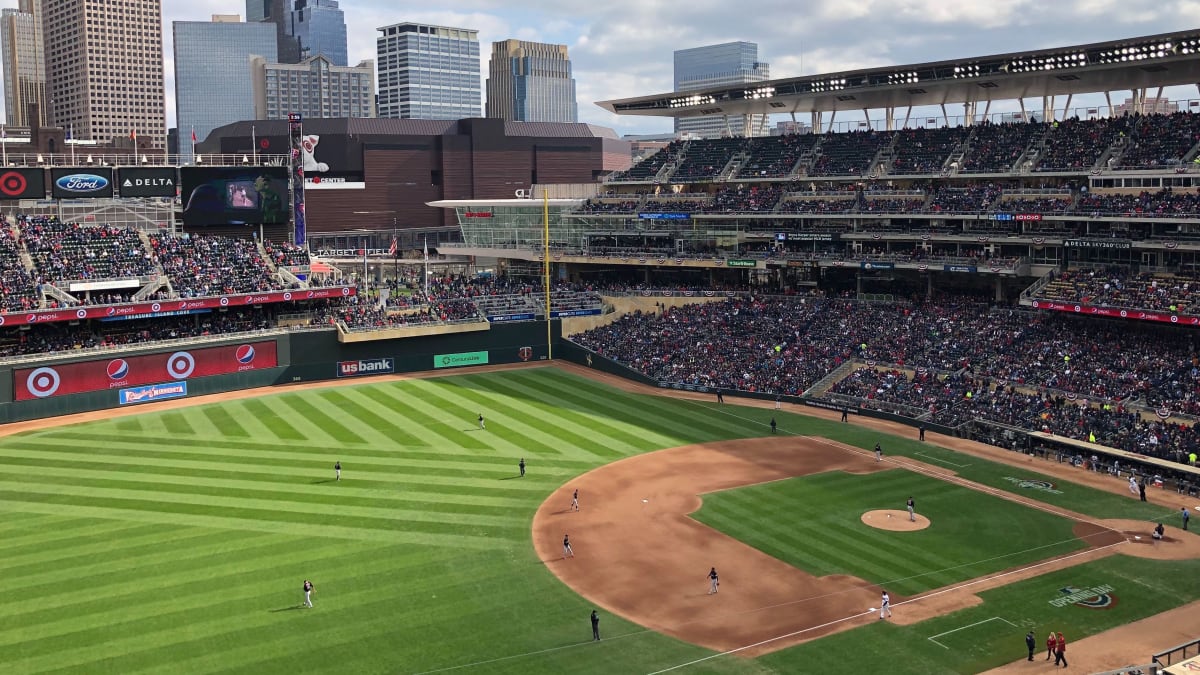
(525, 353)
(1096, 597)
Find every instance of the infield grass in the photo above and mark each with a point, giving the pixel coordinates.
(814, 523)
(176, 541)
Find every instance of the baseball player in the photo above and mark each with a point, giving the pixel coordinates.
(521, 465)
(575, 500)
(912, 516)
(568, 552)
(481, 421)
(308, 589)
(595, 626)
(885, 605)
(878, 453)
(713, 582)
(337, 470)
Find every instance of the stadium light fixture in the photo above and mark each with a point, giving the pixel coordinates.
(969, 70)
(906, 77)
(1153, 50)
(1190, 46)
(759, 92)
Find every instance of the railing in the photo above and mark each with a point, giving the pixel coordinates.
(97, 156)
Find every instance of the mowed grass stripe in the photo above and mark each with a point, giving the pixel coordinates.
(175, 424)
(147, 534)
(590, 437)
(503, 431)
(523, 426)
(225, 423)
(281, 428)
(347, 492)
(309, 411)
(368, 420)
(292, 475)
(190, 592)
(684, 422)
(413, 521)
(51, 541)
(137, 563)
(621, 438)
(427, 422)
(302, 528)
(187, 580)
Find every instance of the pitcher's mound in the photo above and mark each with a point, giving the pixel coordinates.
(898, 522)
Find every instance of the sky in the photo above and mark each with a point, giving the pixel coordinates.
(623, 48)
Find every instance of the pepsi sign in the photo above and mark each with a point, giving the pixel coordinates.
(89, 183)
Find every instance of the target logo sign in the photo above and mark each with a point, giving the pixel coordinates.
(224, 302)
(180, 365)
(81, 314)
(155, 307)
(43, 382)
(287, 296)
(23, 184)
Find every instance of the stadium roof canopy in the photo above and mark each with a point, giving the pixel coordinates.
(1121, 65)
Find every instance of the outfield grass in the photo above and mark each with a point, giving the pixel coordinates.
(814, 523)
(176, 541)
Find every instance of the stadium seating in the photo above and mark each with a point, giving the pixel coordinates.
(848, 154)
(202, 266)
(703, 161)
(745, 199)
(649, 167)
(71, 252)
(1162, 141)
(18, 290)
(776, 156)
(286, 254)
(1076, 145)
(995, 148)
(1161, 204)
(971, 199)
(920, 151)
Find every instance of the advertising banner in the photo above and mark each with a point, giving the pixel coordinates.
(960, 268)
(878, 265)
(230, 195)
(156, 181)
(81, 183)
(30, 384)
(460, 359)
(152, 392)
(511, 317)
(664, 216)
(170, 307)
(1138, 314)
(22, 184)
(564, 313)
(741, 263)
(300, 161)
(366, 367)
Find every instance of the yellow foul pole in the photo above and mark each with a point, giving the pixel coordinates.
(546, 267)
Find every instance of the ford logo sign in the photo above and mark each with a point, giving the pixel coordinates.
(82, 182)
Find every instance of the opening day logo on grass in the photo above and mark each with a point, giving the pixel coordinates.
(1042, 485)
(1096, 597)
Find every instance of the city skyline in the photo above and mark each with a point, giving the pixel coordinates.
(624, 49)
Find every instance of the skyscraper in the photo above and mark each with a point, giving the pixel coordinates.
(716, 65)
(24, 62)
(313, 88)
(112, 90)
(320, 28)
(279, 14)
(428, 72)
(213, 75)
(531, 82)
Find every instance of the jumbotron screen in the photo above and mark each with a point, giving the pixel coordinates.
(223, 195)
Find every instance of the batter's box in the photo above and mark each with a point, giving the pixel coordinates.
(934, 639)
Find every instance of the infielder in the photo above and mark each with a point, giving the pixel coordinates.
(878, 453)
(713, 582)
(575, 500)
(568, 552)
(885, 605)
(308, 589)
(912, 517)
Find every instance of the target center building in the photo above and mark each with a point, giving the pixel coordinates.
(368, 177)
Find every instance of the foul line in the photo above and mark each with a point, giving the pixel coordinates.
(977, 623)
(940, 461)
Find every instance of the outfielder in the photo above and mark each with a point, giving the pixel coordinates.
(713, 582)
(308, 589)
(885, 605)
(481, 421)
(337, 470)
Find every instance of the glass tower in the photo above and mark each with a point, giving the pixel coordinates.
(213, 84)
(531, 82)
(24, 62)
(428, 72)
(320, 26)
(717, 65)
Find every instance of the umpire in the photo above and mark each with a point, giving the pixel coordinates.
(595, 626)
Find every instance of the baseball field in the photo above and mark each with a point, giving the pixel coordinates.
(176, 540)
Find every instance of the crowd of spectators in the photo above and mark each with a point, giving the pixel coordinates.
(286, 254)
(746, 199)
(18, 290)
(1076, 144)
(1046, 205)
(595, 205)
(1161, 204)
(1161, 141)
(776, 156)
(201, 266)
(950, 361)
(922, 150)
(849, 154)
(819, 205)
(972, 198)
(995, 148)
(71, 252)
(1121, 288)
(704, 160)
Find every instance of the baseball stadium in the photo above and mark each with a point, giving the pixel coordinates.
(916, 394)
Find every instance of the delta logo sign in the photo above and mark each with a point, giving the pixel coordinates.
(366, 367)
(1096, 597)
(153, 392)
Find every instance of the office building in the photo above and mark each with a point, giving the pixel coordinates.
(24, 62)
(716, 65)
(531, 82)
(213, 73)
(313, 88)
(428, 72)
(320, 28)
(114, 91)
(278, 13)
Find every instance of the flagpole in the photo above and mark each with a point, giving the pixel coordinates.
(135, 155)
(70, 133)
(193, 143)
(365, 270)
(4, 144)
(254, 143)
(546, 267)
(426, 266)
